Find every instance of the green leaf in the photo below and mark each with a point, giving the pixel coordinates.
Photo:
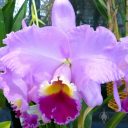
(80, 118)
(115, 120)
(19, 17)
(2, 28)
(88, 119)
(101, 7)
(102, 2)
(8, 11)
(64, 126)
(5, 124)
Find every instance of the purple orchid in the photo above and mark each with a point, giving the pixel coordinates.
(39, 62)
(60, 61)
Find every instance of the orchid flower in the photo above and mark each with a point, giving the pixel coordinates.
(97, 53)
(41, 59)
(63, 62)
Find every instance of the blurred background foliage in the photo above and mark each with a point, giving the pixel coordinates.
(109, 13)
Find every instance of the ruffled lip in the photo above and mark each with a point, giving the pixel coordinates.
(59, 107)
(60, 104)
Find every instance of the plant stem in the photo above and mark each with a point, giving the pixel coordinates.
(86, 112)
(35, 12)
(115, 26)
(110, 24)
(112, 19)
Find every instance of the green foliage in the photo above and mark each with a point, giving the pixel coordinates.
(102, 7)
(115, 120)
(19, 17)
(87, 121)
(8, 11)
(116, 14)
(2, 27)
(5, 124)
(9, 23)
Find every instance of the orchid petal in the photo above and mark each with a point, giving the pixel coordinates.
(24, 23)
(118, 55)
(63, 15)
(63, 71)
(116, 96)
(86, 41)
(89, 73)
(96, 68)
(102, 42)
(34, 50)
(124, 40)
(15, 90)
(90, 92)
